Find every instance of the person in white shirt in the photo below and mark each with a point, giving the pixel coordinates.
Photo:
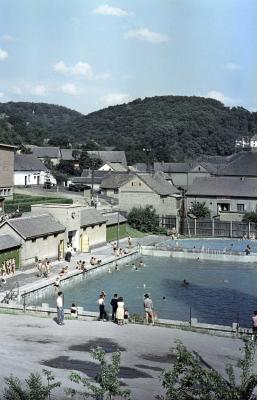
(60, 309)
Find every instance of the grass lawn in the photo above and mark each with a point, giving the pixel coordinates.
(23, 202)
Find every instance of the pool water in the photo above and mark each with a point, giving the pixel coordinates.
(214, 244)
(218, 292)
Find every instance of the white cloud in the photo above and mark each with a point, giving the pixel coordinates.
(229, 101)
(231, 66)
(82, 69)
(146, 34)
(105, 9)
(3, 55)
(70, 88)
(61, 67)
(38, 90)
(112, 99)
(1, 95)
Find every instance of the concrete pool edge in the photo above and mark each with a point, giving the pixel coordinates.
(197, 255)
(45, 311)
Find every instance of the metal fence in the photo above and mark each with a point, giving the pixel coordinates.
(215, 228)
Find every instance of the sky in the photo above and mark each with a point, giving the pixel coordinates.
(90, 54)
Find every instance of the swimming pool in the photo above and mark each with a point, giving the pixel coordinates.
(218, 292)
(234, 245)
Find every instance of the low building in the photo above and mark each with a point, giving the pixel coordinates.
(224, 194)
(50, 153)
(85, 226)
(9, 249)
(30, 171)
(40, 237)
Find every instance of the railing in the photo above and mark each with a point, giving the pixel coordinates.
(12, 294)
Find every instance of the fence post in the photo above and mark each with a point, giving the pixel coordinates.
(190, 316)
(195, 226)
(231, 229)
(24, 303)
(212, 227)
(249, 229)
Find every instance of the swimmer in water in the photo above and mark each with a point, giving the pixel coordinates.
(164, 298)
(185, 283)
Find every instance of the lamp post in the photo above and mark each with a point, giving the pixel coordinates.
(147, 151)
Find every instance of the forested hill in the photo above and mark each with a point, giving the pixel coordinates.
(176, 128)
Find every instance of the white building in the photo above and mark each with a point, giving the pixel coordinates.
(30, 171)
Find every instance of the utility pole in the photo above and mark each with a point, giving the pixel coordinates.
(147, 151)
(118, 229)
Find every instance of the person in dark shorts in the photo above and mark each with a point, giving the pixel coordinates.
(254, 320)
(113, 303)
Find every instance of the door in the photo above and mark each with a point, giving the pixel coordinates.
(61, 250)
(26, 180)
(84, 243)
(38, 177)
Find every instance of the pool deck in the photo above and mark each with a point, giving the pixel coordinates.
(27, 278)
(33, 343)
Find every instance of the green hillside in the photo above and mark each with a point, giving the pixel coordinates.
(176, 128)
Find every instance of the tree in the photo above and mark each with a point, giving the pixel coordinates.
(250, 217)
(200, 210)
(87, 162)
(144, 219)
(107, 384)
(35, 388)
(190, 379)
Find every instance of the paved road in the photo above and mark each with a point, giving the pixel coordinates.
(32, 343)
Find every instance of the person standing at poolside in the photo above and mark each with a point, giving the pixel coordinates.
(60, 309)
(120, 311)
(148, 306)
(103, 315)
(129, 242)
(113, 303)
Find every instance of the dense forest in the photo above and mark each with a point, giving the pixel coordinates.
(175, 128)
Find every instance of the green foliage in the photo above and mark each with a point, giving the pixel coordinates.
(190, 379)
(200, 210)
(23, 202)
(35, 388)
(107, 386)
(176, 128)
(87, 162)
(144, 219)
(250, 217)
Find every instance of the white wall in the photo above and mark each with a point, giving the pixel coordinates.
(19, 178)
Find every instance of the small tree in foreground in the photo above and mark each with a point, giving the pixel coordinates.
(35, 388)
(191, 380)
(107, 384)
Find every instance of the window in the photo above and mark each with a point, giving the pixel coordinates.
(116, 191)
(45, 237)
(139, 184)
(240, 207)
(34, 240)
(56, 234)
(132, 183)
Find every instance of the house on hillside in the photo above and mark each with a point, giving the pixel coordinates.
(182, 174)
(253, 142)
(110, 185)
(143, 190)
(224, 194)
(85, 227)
(30, 171)
(239, 164)
(40, 236)
(6, 173)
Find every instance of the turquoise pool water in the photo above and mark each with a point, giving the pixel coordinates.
(214, 244)
(218, 292)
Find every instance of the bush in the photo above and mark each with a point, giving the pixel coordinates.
(144, 219)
